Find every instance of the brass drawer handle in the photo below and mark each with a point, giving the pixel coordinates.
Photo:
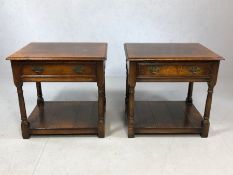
(195, 69)
(38, 69)
(154, 69)
(78, 69)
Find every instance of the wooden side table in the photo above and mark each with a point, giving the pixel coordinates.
(169, 63)
(61, 62)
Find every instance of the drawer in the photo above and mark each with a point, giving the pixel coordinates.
(173, 70)
(76, 68)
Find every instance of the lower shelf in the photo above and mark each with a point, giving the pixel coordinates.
(64, 118)
(153, 117)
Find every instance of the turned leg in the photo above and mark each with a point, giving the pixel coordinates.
(127, 91)
(190, 93)
(24, 121)
(205, 122)
(131, 103)
(104, 97)
(40, 99)
(131, 113)
(101, 99)
(101, 109)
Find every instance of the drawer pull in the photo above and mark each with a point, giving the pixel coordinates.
(37, 69)
(154, 69)
(195, 69)
(78, 69)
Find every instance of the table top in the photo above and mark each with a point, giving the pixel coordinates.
(169, 51)
(61, 51)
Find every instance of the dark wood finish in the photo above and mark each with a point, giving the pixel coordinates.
(127, 90)
(24, 122)
(61, 62)
(169, 51)
(131, 86)
(53, 71)
(101, 99)
(175, 69)
(40, 99)
(19, 84)
(61, 51)
(64, 118)
(189, 98)
(162, 117)
(59, 68)
(211, 84)
(186, 62)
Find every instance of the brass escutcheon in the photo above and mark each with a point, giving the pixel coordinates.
(195, 69)
(154, 69)
(38, 69)
(78, 69)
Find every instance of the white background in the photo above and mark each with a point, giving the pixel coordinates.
(116, 22)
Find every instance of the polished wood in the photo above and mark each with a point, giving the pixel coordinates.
(189, 98)
(127, 90)
(61, 62)
(175, 69)
(131, 84)
(211, 84)
(101, 99)
(61, 51)
(56, 71)
(24, 122)
(19, 84)
(169, 51)
(40, 99)
(185, 62)
(163, 117)
(58, 68)
(64, 118)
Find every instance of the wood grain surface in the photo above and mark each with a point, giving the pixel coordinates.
(169, 51)
(61, 51)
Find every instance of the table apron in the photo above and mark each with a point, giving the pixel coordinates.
(173, 79)
(58, 78)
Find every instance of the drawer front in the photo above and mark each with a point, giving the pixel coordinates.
(74, 69)
(174, 70)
